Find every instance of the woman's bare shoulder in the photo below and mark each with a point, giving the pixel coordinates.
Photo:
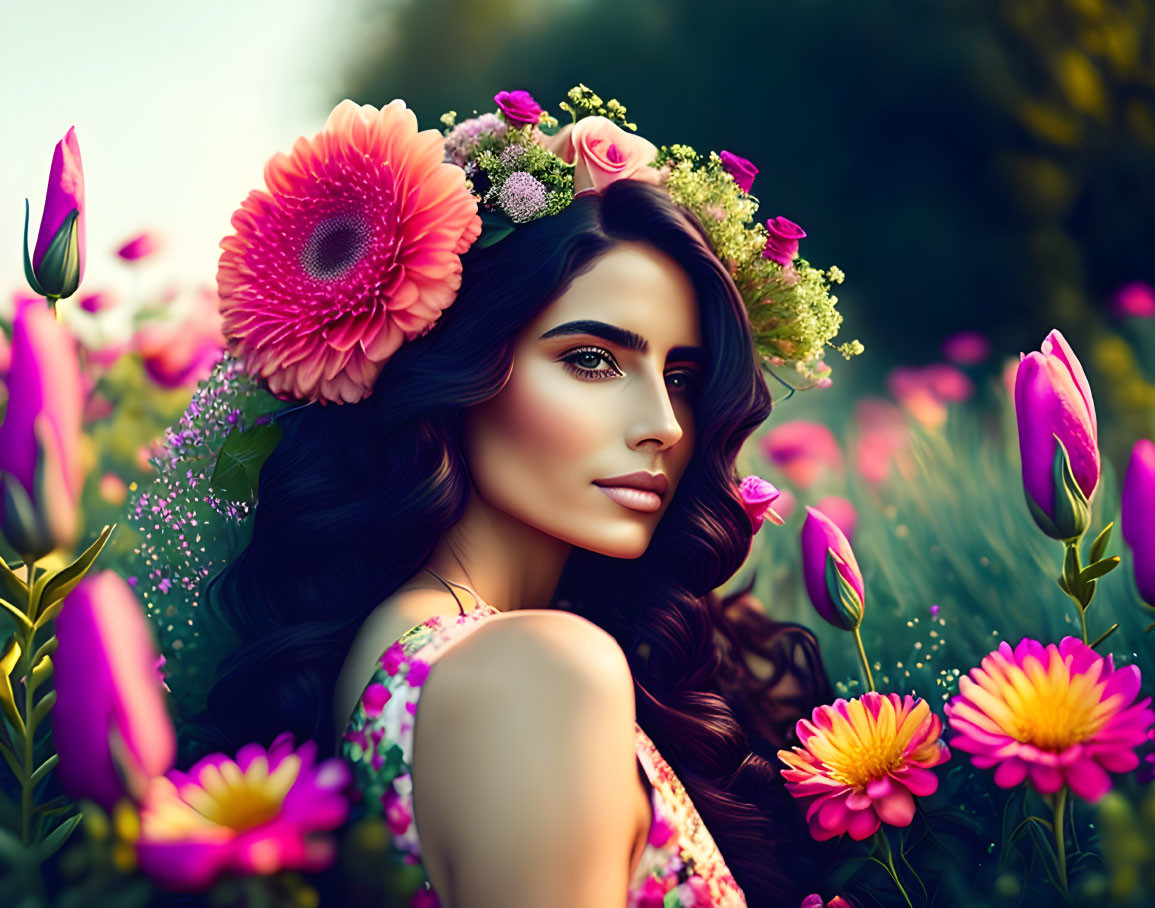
(539, 704)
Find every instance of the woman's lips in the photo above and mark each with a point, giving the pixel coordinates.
(635, 499)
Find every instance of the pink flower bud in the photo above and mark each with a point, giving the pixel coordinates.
(757, 497)
(57, 264)
(1053, 405)
(1138, 516)
(740, 169)
(838, 595)
(782, 240)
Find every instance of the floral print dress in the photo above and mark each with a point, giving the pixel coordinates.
(680, 867)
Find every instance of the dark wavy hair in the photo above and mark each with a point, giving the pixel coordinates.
(354, 499)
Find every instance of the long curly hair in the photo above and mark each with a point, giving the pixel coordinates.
(354, 499)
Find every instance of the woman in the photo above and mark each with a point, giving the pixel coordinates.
(486, 495)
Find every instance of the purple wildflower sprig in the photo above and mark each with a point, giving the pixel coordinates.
(188, 530)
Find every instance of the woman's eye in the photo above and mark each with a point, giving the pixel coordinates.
(585, 363)
(683, 380)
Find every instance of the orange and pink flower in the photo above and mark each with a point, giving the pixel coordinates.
(1056, 715)
(804, 451)
(602, 152)
(863, 761)
(355, 248)
(263, 812)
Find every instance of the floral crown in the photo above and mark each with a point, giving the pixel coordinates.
(356, 246)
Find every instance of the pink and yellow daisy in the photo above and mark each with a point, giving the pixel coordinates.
(1056, 715)
(257, 814)
(355, 248)
(862, 761)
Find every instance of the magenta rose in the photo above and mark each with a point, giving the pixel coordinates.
(740, 169)
(782, 240)
(757, 499)
(519, 107)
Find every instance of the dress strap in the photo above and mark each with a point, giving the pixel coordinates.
(449, 584)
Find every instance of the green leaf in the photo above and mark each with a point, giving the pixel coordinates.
(43, 708)
(238, 468)
(1098, 569)
(55, 839)
(8, 660)
(1099, 546)
(44, 769)
(495, 226)
(1071, 571)
(12, 587)
(54, 587)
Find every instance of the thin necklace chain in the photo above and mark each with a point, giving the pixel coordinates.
(476, 598)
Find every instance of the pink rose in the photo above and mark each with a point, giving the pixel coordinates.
(601, 152)
(740, 169)
(782, 242)
(518, 106)
(757, 497)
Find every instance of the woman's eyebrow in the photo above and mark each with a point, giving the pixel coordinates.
(620, 336)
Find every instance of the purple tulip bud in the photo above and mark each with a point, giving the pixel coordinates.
(40, 475)
(1058, 437)
(111, 727)
(757, 497)
(740, 169)
(1138, 516)
(830, 571)
(57, 264)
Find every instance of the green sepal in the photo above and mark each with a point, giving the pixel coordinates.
(1098, 569)
(59, 272)
(49, 589)
(236, 475)
(29, 274)
(1099, 546)
(495, 227)
(21, 525)
(848, 607)
(1072, 511)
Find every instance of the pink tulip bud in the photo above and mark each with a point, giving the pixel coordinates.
(1058, 437)
(111, 726)
(1138, 516)
(40, 473)
(830, 571)
(57, 264)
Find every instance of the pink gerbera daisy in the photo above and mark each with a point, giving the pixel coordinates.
(1060, 715)
(260, 813)
(355, 248)
(862, 761)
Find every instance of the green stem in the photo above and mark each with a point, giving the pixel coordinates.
(881, 838)
(862, 659)
(29, 765)
(1103, 636)
(1083, 618)
(1059, 805)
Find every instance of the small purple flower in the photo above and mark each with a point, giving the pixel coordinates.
(461, 140)
(782, 240)
(522, 197)
(519, 107)
(934, 610)
(740, 169)
(374, 699)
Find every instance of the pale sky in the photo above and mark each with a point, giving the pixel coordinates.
(177, 106)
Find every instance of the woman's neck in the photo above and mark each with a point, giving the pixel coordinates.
(508, 564)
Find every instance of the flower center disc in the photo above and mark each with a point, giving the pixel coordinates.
(335, 247)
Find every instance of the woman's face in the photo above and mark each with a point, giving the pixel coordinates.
(602, 386)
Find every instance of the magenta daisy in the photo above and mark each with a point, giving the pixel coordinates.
(355, 248)
(862, 761)
(259, 813)
(1058, 715)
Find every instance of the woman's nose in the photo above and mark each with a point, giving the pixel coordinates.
(653, 417)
